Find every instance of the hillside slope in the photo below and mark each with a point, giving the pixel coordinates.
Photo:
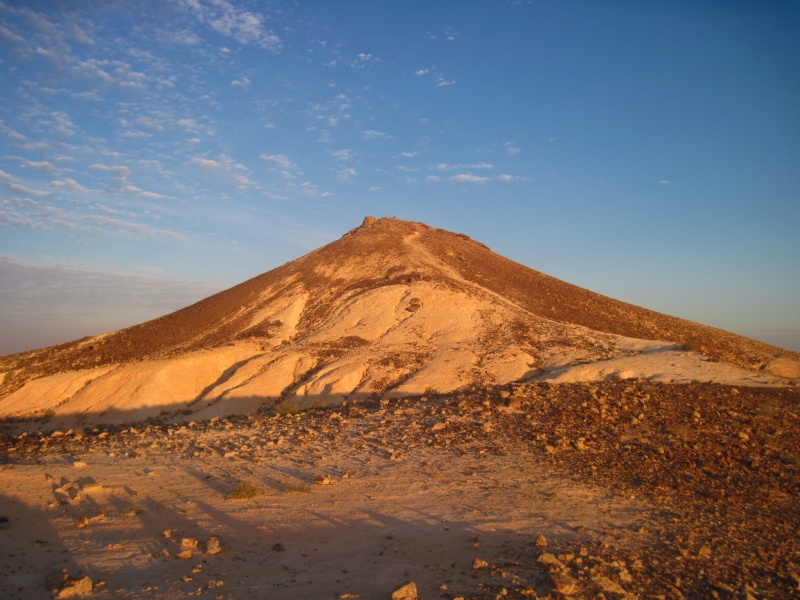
(391, 308)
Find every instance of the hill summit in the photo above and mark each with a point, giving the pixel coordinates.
(392, 308)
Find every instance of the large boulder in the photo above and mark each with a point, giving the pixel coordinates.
(784, 367)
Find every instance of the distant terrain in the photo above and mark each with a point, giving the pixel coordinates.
(392, 308)
(402, 414)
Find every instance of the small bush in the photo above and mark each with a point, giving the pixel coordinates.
(287, 407)
(133, 510)
(49, 413)
(245, 490)
(297, 489)
(691, 345)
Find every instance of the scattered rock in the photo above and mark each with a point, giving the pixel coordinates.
(278, 548)
(184, 554)
(323, 480)
(550, 559)
(55, 580)
(541, 541)
(406, 592)
(479, 563)
(607, 585)
(564, 584)
(784, 367)
(189, 543)
(214, 545)
(63, 585)
(81, 521)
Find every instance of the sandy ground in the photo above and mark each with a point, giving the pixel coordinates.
(623, 489)
(398, 509)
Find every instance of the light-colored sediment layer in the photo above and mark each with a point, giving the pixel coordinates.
(392, 340)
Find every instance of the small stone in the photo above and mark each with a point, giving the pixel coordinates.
(278, 548)
(541, 541)
(214, 545)
(62, 585)
(479, 563)
(704, 552)
(189, 543)
(406, 592)
(323, 480)
(81, 586)
(55, 580)
(185, 554)
(81, 521)
(564, 584)
(606, 585)
(79, 464)
(549, 559)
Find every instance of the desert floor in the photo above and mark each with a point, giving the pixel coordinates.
(613, 489)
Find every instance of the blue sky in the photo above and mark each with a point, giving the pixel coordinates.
(152, 153)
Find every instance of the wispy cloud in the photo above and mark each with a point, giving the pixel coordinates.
(342, 154)
(38, 214)
(41, 167)
(110, 71)
(13, 184)
(120, 173)
(11, 133)
(25, 190)
(279, 159)
(468, 178)
(441, 81)
(282, 164)
(347, 174)
(243, 26)
(235, 172)
(372, 134)
(456, 167)
(70, 185)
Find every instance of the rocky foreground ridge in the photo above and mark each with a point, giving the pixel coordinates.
(615, 490)
(392, 308)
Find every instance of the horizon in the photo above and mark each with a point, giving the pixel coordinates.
(151, 155)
